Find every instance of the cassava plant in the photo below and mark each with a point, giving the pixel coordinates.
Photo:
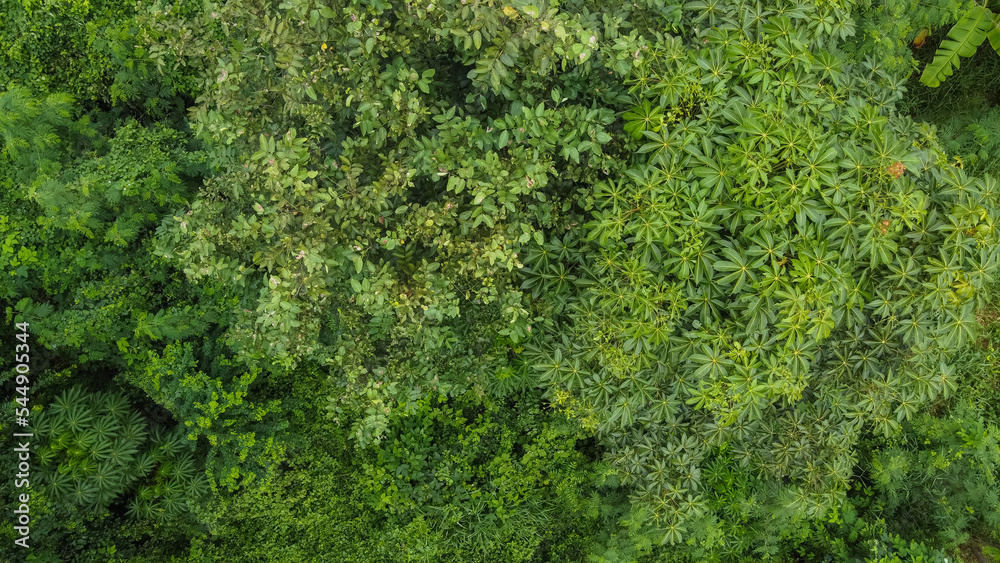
(786, 265)
(96, 449)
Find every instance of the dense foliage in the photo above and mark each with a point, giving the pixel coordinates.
(467, 281)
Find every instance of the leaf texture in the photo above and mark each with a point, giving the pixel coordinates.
(963, 40)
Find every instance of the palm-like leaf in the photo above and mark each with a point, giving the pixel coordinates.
(45, 455)
(100, 449)
(83, 492)
(77, 417)
(59, 484)
(84, 440)
(643, 117)
(161, 516)
(115, 405)
(143, 509)
(172, 505)
(166, 469)
(146, 493)
(173, 488)
(40, 424)
(84, 467)
(122, 452)
(197, 486)
(184, 467)
(108, 477)
(66, 400)
(145, 463)
(133, 428)
(58, 429)
(97, 402)
(168, 442)
(106, 427)
(135, 508)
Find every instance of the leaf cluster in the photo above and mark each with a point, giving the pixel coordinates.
(784, 265)
(97, 450)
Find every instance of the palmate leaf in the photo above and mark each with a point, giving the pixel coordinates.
(106, 427)
(739, 270)
(572, 376)
(66, 400)
(511, 379)
(83, 491)
(168, 441)
(644, 117)
(714, 175)
(711, 363)
(624, 413)
(963, 40)
(144, 464)
(134, 428)
(551, 370)
(41, 425)
(108, 478)
(960, 328)
(59, 484)
(78, 417)
(121, 452)
(197, 486)
(116, 405)
(171, 505)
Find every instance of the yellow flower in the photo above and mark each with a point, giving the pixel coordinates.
(324, 46)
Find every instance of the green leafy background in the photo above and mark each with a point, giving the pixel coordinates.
(469, 281)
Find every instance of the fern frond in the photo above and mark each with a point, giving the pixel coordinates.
(963, 40)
